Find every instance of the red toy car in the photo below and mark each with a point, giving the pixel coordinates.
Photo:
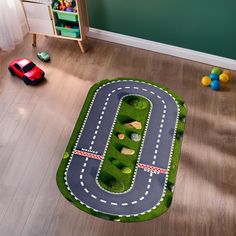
(26, 70)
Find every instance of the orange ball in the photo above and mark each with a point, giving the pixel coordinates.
(224, 78)
(206, 81)
(227, 72)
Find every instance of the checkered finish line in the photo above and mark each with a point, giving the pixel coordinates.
(88, 154)
(152, 168)
(143, 166)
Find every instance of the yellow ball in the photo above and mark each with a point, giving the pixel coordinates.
(206, 81)
(227, 72)
(224, 78)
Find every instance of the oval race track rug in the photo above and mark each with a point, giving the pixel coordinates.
(122, 158)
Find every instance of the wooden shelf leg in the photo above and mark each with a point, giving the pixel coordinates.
(34, 40)
(81, 47)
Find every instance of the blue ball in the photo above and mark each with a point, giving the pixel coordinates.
(214, 76)
(215, 85)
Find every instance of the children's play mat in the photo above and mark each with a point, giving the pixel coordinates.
(122, 158)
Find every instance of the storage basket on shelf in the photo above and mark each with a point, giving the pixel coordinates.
(69, 16)
(69, 32)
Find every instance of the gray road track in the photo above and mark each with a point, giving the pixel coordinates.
(148, 188)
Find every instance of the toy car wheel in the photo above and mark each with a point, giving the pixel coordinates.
(11, 71)
(26, 80)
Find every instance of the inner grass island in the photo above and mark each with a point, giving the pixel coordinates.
(119, 164)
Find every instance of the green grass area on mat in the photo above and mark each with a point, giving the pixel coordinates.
(111, 176)
(164, 205)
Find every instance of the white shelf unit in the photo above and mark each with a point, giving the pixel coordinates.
(43, 19)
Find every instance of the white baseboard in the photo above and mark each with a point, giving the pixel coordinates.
(163, 48)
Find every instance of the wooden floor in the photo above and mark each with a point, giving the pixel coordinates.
(36, 124)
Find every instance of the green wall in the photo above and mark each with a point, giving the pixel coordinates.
(203, 25)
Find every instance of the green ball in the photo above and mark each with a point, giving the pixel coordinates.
(216, 70)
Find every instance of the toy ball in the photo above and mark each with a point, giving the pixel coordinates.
(214, 76)
(215, 85)
(206, 81)
(227, 72)
(216, 70)
(224, 78)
